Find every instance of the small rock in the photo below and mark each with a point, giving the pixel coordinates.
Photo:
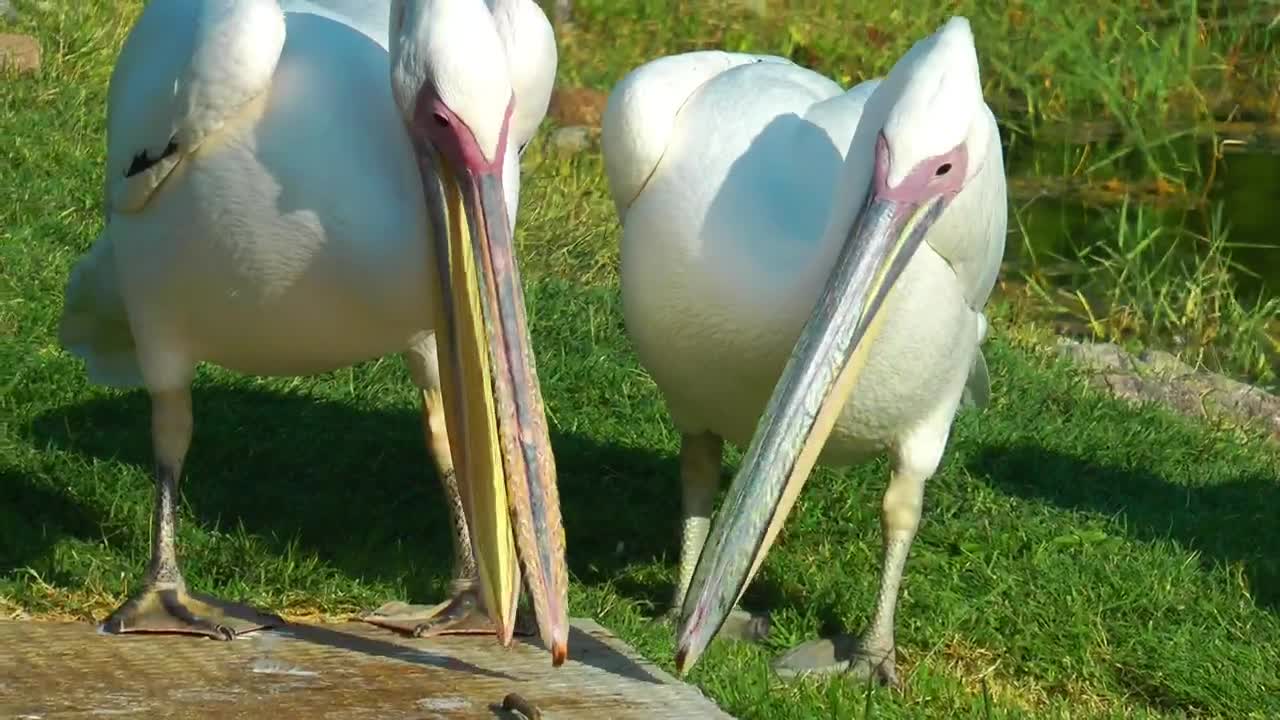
(1160, 377)
(571, 140)
(562, 12)
(1099, 356)
(1164, 363)
(19, 52)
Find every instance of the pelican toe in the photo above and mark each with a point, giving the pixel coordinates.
(840, 655)
(159, 609)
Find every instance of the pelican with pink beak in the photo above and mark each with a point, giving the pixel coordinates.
(294, 187)
(804, 270)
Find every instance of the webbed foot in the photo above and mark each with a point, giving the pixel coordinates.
(172, 608)
(462, 614)
(842, 654)
(740, 626)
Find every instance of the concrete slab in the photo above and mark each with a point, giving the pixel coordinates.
(348, 670)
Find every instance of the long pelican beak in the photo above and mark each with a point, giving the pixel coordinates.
(821, 372)
(493, 405)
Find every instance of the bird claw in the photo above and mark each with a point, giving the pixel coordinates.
(877, 668)
(745, 626)
(175, 610)
(841, 655)
(462, 614)
(458, 615)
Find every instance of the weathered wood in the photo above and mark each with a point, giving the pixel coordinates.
(349, 670)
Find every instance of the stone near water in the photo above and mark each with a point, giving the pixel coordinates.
(1159, 377)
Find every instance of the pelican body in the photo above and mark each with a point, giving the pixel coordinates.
(295, 187)
(803, 274)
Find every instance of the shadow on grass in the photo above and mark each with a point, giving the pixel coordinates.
(1230, 523)
(34, 516)
(353, 485)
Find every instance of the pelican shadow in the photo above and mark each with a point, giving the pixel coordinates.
(1227, 523)
(350, 642)
(352, 484)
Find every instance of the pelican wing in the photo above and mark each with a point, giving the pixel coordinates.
(977, 388)
(640, 119)
(186, 69)
(370, 17)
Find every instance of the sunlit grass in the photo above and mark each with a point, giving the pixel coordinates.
(1144, 281)
(1136, 63)
(1079, 558)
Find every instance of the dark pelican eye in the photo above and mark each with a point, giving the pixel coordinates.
(441, 120)
(943, 169)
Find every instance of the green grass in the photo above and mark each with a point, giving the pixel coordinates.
(1078, 557)
(1132, 285)
(1135, 63)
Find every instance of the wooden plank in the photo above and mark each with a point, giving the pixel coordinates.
(348, 670)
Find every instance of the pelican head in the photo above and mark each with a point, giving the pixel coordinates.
(923, 127)
(449, 77)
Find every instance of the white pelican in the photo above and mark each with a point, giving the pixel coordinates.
(290, 190)
(760, 204)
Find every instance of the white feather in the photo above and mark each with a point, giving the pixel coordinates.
(737, 179)
(286, 235)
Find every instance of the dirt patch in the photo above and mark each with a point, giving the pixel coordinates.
(577, 106)
(19, 52)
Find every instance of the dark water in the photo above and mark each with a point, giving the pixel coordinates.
(1250, 193)
(1245, 190)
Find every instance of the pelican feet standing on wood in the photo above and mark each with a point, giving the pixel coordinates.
(803, 273)
(294, 187)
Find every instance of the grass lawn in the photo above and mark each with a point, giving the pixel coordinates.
(1078, 557)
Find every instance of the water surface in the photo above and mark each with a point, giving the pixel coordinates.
(1064, 215)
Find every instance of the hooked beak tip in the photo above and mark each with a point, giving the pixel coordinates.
(559, 653)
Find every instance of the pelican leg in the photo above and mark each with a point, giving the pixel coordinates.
(164, 604)
(872, 656)
(700, 457)
(463, 612)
